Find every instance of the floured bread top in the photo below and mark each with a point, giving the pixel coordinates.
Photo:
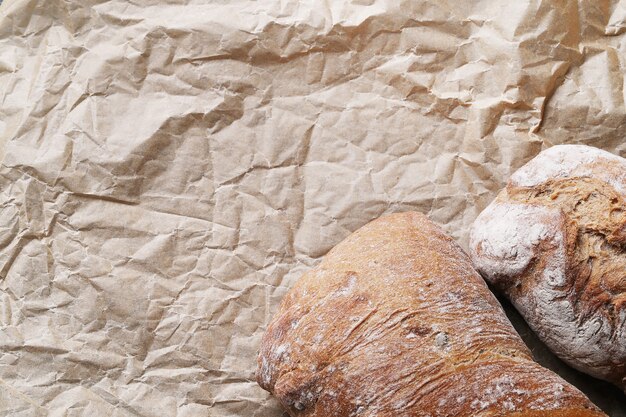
(554, 242)
(572, 161)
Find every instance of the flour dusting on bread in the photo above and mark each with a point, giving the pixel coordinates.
(505, 236)
(554, 242)
(564, 161)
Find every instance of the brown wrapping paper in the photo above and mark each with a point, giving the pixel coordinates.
(171, 167)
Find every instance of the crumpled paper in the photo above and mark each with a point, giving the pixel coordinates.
(170, 168)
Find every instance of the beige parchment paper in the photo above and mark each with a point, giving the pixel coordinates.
(170, 168)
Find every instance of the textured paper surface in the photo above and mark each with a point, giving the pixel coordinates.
(171, 167)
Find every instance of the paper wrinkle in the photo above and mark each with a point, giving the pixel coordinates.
(171, 168)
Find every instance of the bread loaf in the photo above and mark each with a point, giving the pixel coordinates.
(396, 322)
(554, 242)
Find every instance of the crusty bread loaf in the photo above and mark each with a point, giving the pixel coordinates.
(396, 322)
(554, 242)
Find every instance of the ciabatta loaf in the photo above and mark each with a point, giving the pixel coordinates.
(395, 322)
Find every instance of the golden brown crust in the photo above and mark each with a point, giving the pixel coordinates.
(557, 413)
(395, 322)
(596, 218)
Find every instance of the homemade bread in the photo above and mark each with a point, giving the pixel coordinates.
(396, 322)
(554, 242)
